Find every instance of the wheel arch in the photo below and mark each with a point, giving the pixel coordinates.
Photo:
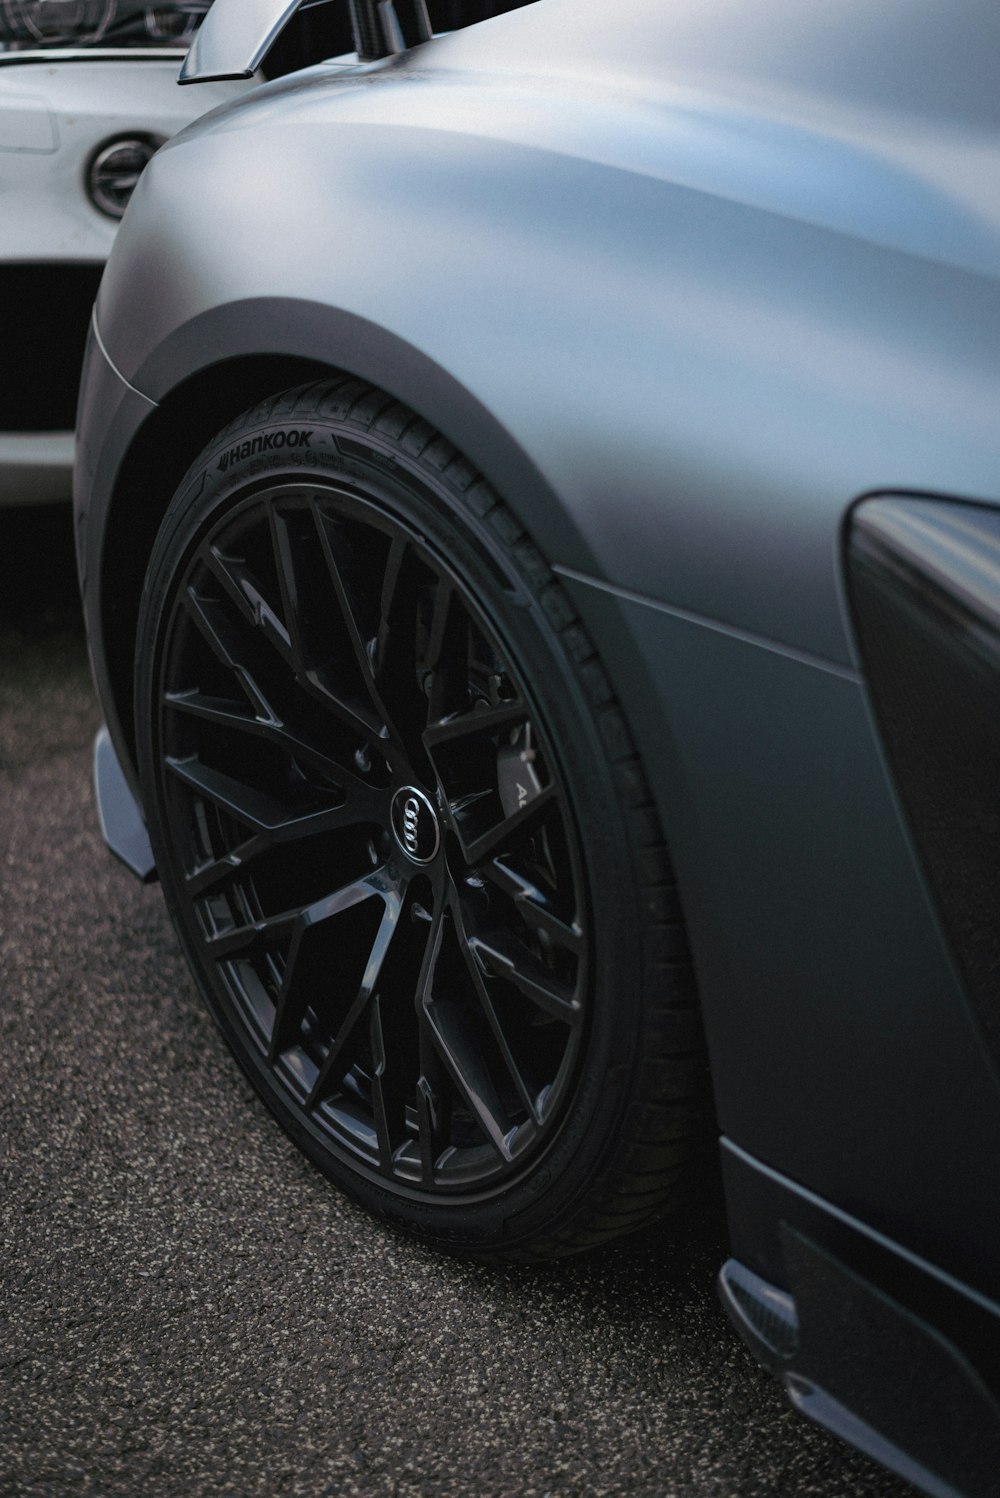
(197, 397)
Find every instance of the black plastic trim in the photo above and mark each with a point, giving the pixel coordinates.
(924, 584)
(873, 1344)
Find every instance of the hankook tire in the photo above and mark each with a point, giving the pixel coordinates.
(404, 836)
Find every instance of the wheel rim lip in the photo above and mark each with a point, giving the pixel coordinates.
(276, 1080)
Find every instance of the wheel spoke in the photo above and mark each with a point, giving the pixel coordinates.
(231, 716)
(407, 965)
(323, 640)
(237, 654)
(483, 720)
(447, 608)
(330, 1072)
(294, 597)
(447, 658)
(392, 590)
(300, 976)
(237, 940)
(226, 645)
(396, 663)
(362, 645)
(431, 1097)
(489, 1010)
(532, 905)
(234, 634)
(449, 1029)
(448, 1032)
(220, 872)
(380, 1086)
(352, 715)
(277, 820)
(503, 956)
(244, 592)
(389, 628)
(433, 1114)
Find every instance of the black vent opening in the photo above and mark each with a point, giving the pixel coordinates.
(924, 585)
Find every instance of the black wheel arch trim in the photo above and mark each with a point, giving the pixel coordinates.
(344, 343)
(238, 353)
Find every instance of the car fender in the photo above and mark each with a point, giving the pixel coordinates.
(790, 366)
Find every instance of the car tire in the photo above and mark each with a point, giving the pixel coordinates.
(405, 838)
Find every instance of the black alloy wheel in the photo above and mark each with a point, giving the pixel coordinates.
(362, 767)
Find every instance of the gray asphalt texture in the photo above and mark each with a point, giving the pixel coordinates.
(187, 1307)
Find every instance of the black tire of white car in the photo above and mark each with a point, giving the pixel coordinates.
(405, 838)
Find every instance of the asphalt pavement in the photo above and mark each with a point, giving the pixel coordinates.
(187, 1307)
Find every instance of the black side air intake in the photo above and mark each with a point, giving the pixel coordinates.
(924, 585)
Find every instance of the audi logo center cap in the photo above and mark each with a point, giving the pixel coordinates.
(415, 824)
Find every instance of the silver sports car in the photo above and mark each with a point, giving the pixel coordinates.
(538, 504)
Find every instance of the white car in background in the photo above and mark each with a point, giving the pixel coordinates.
(88, 91)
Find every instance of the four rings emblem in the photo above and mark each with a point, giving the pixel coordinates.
(415, 824)
(411, 822)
